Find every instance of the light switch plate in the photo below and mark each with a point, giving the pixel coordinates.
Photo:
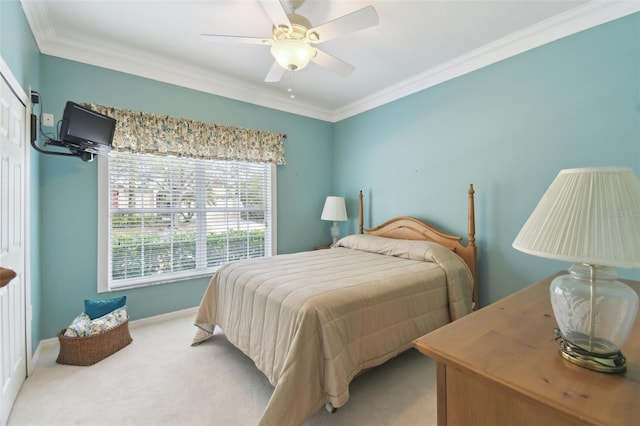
(47, 120)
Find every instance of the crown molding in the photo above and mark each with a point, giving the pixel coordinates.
(39, 22)
(579, 19)
(158, 68)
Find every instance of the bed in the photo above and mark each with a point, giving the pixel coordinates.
(312, 321)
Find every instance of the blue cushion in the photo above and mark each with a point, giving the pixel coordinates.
(98, 308)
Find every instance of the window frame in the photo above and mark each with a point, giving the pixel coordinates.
(104, 255)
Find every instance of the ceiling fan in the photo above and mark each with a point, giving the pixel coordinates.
(293, 37)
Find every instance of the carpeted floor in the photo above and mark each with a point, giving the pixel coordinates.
(160, 379)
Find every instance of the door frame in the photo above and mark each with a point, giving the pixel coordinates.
(17, 89)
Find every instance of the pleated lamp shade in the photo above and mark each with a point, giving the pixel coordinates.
(588, 215)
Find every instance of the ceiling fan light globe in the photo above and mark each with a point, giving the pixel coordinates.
(292, 54)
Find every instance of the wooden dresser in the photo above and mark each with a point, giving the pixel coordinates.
(500, 366)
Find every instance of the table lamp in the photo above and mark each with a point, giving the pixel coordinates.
(335, 210)
(590, 216)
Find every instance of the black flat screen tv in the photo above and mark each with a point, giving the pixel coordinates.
(85, 129)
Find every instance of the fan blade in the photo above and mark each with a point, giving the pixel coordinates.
(352, 22)
(275, 73)
(235, 39)
(276, 13)
(332, 63)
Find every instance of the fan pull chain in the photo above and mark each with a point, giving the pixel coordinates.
(290, 89)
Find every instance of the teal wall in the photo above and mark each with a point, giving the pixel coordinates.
(19, 51)
(17, 45)
(508, 129)
(68, 238)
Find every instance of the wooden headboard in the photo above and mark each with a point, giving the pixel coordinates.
(409, 228)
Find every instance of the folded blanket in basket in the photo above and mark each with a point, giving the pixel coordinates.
(83, 325)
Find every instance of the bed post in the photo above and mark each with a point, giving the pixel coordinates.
(472, 244)
(360, 215)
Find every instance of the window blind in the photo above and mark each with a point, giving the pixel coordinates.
(172, 218)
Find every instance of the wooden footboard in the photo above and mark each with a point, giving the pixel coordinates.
(409, 228)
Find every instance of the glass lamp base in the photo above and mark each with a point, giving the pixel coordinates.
(335, 232)
(602, 361)
(595, 315)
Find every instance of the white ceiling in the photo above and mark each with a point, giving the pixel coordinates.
(417, 44)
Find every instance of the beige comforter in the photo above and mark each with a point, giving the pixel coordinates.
(311, 321)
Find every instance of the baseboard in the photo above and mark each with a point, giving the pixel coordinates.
(163, 317)
(46, 343)
(36, 356)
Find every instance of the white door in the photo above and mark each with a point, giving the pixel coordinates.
(13, 337)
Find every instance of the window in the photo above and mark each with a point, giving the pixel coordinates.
(165, 218)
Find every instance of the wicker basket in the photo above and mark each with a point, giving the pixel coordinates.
(91, 349)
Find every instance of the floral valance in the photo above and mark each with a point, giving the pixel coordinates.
(144, 133)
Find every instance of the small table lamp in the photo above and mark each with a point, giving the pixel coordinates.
(335, 210)
(590, 216)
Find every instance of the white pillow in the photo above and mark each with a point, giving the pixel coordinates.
(407, 249)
